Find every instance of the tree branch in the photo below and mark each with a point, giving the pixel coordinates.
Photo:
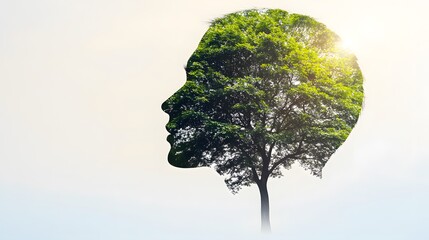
(255, 175)
(287, 157)
(285, 112)
(270, 150)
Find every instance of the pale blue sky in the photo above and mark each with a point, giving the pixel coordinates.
(82, 137)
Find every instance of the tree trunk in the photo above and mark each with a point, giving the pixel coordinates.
(265, 208)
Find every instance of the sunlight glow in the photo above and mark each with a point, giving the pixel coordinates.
(360, 34)
(348, 44)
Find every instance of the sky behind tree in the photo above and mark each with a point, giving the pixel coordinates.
(83, 153)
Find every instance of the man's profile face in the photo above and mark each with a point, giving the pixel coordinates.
(180, 129)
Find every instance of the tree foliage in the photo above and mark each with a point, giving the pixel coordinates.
(264, 89)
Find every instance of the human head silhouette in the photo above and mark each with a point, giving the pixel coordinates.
(264, 89)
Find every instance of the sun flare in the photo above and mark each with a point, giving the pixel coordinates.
(358, 35)
(348, 44)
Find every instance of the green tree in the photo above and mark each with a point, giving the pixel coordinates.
(264, 89)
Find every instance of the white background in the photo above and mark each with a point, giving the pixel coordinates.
(83, 153)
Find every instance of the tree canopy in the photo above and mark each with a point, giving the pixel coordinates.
(264, 89)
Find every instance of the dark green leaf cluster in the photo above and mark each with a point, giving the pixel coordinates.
(264, 89)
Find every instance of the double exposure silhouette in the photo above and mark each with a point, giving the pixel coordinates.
(265, 89)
